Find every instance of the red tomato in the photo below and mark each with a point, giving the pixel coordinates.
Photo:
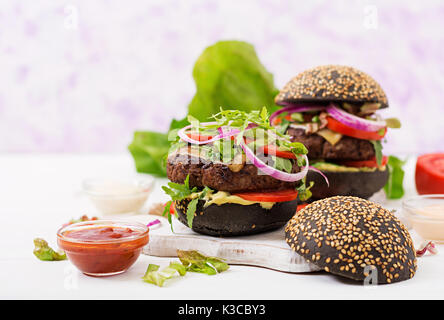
(277, 121)
(339, 127)
(172, 208)
(365, 163)
(429, 175)
(198, 137)
(302, 206)
(272, 196)
(273, 150)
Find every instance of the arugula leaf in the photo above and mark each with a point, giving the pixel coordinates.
(394, 187)
(378, 150)
(178, 192)
(45, 253)
(304, 192)
(191, 209)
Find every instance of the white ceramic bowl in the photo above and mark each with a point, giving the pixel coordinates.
(118, 195)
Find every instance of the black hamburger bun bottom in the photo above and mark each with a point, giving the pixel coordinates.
(232, 219)
(360, 184)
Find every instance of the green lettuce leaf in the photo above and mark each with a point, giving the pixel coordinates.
(227, 74)
(45, 253)
(378, 150)
(158, 278)
(197, 262)
(149, 150)
(394, 187)
(191, 261)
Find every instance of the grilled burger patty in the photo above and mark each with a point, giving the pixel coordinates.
(219, 176)
(347, 148)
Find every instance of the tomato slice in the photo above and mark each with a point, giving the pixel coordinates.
(429, 174)
(339, 127)
(272, 196)
(301, 206)
(365, 163)
(273, 150)
(277, 121)
(199, 137)
(172, 207)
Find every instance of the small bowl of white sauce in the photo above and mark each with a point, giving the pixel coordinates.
(118, 195)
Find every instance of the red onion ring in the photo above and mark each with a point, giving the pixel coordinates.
(273, 172)
(354, 121)
(295, 108)
(321, 173)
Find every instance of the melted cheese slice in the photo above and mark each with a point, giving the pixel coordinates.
(331, 136)
(221, 197)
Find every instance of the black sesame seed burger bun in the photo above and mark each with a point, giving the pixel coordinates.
(359, 184)
(353, 238)
(332, 83)
(232, 219)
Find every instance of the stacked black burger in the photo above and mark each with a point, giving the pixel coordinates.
(332, 110)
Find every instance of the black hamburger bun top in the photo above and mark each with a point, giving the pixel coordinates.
(332, 83)
(353, 238)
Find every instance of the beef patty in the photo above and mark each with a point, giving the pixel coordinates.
(219, 176)
(347, 148)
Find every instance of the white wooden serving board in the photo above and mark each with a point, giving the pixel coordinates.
(267, 249)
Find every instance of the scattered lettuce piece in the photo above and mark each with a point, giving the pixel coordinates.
(45, 253)
(191, 261)
(394, 187)
(154, 276)
(197, 262)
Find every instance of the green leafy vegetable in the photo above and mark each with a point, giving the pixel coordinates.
(304, 192)
(378, 150)
(197, 262)
(227, 74)
(297, 116)
(179, 192)
(154, 276)
(191, 261)
(191, 210)
(45, 253)
(149, 150)
(394, 188)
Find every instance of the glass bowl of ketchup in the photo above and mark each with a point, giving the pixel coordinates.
(103, 247)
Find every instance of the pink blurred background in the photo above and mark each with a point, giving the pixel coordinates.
(81, 76)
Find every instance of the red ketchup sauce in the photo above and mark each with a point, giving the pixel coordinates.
(101, 250)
